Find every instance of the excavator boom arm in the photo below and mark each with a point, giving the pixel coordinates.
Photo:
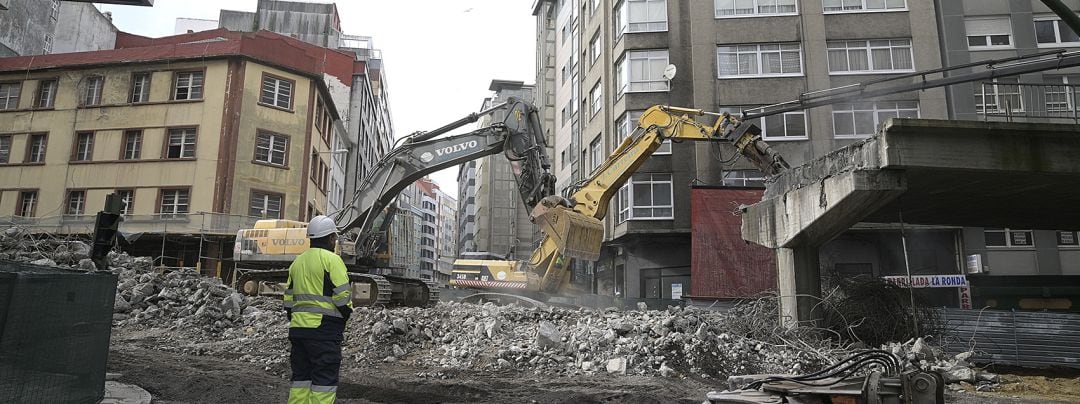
(575, 232)
(518, 136)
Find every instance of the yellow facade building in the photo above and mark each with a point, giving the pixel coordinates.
(198, 134)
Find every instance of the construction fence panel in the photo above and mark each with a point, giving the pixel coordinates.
(1017, 338)
(55, 327)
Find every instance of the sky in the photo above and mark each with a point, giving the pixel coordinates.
(439, 55)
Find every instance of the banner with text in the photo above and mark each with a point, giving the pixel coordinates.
(928, 281)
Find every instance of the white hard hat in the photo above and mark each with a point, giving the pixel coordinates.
(321, 226)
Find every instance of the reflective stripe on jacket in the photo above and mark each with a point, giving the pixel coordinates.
(318, 295)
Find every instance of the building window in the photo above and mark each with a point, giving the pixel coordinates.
(46, 94)
(132, 145)
(873, 56)
(742, 8)
(596, 99)
(1008, 238)
(76, 203)
(46, 46)
(596, 152)
(763, 60)
(640, 16)
(187, 85)
(92, 95)
(641, 71)
(628, 123)
(744, 178)
(5, 149)
(1068, 238)
(127, 201)
(855, 6)
(786, 126)
(594, 48)
(174, 202)
(181, 144)
(645, 196)
(55, 12)
(140, 87)
(35, 148)
(271, 148)
(266, 205)
(276, 92)
(988, 33)
(1061, 99)
(1051, 32)
(9, 95)
(864, 118)
(998, 97)
(84, 147)
(27, 204)
(574, 97)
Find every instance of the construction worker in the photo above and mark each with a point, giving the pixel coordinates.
(318, 301)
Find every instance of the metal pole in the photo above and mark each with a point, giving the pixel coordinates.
(202, 236)
(907, 267)
(164, 232)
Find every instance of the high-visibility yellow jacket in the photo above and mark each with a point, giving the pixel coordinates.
(318, 296)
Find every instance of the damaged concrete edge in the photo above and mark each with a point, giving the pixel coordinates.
(862, 154)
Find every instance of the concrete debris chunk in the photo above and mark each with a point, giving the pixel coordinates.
(616, 365)
(547, 335)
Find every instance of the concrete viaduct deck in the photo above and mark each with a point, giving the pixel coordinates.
(931, 172)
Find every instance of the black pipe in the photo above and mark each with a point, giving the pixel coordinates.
(1062, 61)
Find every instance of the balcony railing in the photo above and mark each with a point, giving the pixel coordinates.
(200, 222)
(1042, 101)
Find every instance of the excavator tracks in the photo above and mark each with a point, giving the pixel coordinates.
(368, 289)
(380, 294)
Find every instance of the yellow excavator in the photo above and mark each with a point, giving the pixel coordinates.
(572, 225)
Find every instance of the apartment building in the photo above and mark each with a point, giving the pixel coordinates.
(601, 64)
(40, 27)
(976, 31)
(362, 99)
(503, 224)
(198, 134)
(466, 219)
(446, 207)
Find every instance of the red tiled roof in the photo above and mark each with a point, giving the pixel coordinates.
(265, 46)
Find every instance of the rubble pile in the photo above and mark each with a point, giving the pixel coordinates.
(17, 244)
(188, 313)
(957, 370)
(563, 341)
(175, 300)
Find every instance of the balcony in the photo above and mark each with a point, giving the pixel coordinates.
(1027, 102)
(200, 222)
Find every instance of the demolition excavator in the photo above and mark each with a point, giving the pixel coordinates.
(262, 254)
(572, 224)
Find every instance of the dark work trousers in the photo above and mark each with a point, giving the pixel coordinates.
(316, 362)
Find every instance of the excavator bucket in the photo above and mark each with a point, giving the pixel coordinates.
(577, 236)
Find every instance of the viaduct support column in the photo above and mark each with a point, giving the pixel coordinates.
(799, 284)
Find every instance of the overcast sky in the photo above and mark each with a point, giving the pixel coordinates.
(440, 56)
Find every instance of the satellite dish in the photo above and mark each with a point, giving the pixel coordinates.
(669, 72)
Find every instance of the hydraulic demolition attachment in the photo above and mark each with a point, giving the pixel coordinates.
(884, 382)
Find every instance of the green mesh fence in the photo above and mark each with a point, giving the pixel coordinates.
(54, 333)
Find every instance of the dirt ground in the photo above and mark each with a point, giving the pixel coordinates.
(174, 378)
